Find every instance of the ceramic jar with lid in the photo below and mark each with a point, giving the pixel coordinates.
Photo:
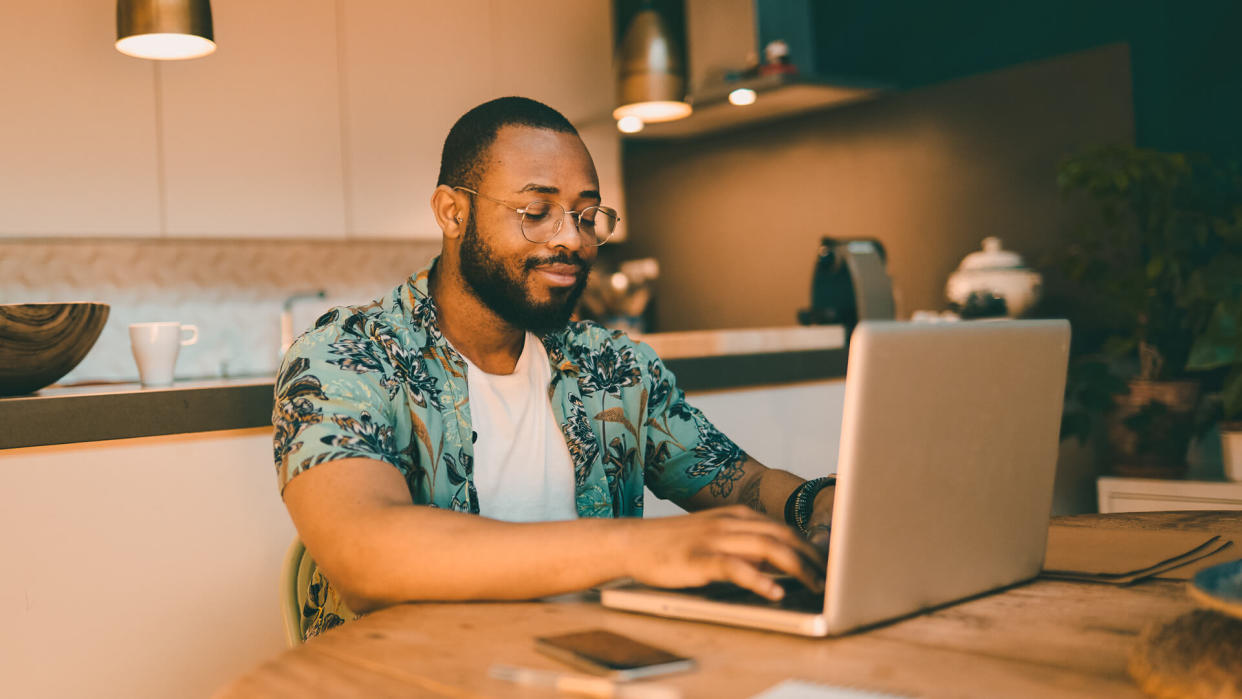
(994, 272)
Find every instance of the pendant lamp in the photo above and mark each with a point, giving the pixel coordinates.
(164, 30)
(651, 79)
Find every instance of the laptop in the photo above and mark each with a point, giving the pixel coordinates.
(944, 483)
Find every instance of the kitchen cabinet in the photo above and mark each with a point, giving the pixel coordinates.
(140, 567)
(252, 132)
(78, 147)
(558, 52)
(410, 69)
(312, 119)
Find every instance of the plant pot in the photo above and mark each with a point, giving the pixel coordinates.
(1231, 449)
(1150, 430)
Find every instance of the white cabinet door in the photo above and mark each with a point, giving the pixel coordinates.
(78, 143)
(558, 52)
(140, 567)
(411, 68)
(252, 132)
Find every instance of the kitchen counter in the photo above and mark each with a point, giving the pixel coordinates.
(702, 360)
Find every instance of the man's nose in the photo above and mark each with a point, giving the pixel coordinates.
(569, 237)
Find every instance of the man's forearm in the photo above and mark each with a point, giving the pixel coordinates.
(457, 556)
(768, 492)
(756, 486)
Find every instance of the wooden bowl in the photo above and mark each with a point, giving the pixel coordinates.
(41, 342)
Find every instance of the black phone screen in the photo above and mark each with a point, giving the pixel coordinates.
(609, 650)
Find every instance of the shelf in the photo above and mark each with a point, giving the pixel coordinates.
(779, 97)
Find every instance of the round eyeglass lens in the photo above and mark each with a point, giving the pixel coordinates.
(542, 220)
(597, 223)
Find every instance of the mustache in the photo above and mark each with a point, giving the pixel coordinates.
(564, 258)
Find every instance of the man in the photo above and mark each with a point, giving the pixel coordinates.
(467, 392)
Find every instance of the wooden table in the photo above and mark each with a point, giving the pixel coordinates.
(1043, 638)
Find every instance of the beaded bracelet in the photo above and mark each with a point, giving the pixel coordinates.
(801, 503)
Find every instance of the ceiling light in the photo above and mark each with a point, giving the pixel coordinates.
(164, 29)
(630, 124)
(652, 112)
(742, 97)
(651, 81)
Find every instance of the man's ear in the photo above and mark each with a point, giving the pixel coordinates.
(449, 207)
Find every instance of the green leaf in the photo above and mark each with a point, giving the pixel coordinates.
(1154, 266)
(1120, 346)
(1220, 343)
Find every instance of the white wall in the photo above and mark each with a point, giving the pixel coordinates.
(139, 567)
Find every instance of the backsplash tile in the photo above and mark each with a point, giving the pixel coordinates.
(233, 290)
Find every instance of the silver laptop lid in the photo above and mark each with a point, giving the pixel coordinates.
(947, 458)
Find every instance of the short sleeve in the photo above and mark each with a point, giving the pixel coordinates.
(683, 451)
(332, 402)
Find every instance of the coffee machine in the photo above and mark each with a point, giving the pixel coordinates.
(850, 284)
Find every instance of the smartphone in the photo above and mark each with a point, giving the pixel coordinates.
(612, 655)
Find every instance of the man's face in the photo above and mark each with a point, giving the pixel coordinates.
(531, 286)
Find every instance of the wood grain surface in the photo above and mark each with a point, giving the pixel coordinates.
(1046, 638)
(41, 342)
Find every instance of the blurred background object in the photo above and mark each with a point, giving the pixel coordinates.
(619, 297)
(1155, 262)
(41, 342)
(993, 282)
(291, 327)
(164, 30)
(850, 284)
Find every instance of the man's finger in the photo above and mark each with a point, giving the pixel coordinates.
(743, 574)
(779, 532)
(785, 559)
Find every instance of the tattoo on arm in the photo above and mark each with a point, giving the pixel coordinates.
(749, 495)
(722, 485)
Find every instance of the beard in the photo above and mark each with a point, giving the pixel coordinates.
(506, 294)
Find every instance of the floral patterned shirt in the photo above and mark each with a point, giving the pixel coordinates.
(381, 382)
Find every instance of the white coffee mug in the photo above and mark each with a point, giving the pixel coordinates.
(156, 346)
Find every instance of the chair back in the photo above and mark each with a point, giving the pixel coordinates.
(295, 578)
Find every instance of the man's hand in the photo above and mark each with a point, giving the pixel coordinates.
(729, 544)
(821, 520)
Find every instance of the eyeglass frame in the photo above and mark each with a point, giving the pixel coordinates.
(577, 216)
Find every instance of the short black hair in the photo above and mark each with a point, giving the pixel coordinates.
(461, 162)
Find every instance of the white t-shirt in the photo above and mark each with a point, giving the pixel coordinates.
(522, 468)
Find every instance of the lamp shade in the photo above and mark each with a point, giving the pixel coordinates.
(651, 79)
(164, 29)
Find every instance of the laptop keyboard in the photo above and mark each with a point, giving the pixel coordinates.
(797, 597)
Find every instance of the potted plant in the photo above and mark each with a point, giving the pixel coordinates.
(1150, 230)
(1218, 351)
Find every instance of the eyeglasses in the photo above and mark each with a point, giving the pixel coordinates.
(541, 219)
